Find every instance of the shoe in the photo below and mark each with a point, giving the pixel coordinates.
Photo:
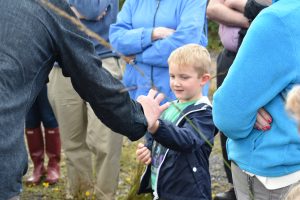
(53, 148)
(36, 151)
(229, 195)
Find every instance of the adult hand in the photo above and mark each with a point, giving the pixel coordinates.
(263, 120)
(143, 154)
(161, 33)
(152, 109)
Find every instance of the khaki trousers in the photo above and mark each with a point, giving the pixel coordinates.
(82, 133)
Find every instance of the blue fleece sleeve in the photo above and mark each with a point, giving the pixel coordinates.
(194, 133)
(189, 30)
(122, 35)
(91, 9)
(262, 69)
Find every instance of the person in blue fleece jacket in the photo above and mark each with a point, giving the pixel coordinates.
(265, 163)
(149, 31)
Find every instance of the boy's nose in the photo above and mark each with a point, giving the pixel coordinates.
(176, 83)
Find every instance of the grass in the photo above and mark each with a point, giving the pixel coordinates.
(129, 176)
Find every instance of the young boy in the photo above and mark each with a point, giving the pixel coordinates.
(180, 141)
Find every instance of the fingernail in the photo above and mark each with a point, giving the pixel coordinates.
(270, 120)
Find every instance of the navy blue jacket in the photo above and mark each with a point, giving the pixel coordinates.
(184, 173)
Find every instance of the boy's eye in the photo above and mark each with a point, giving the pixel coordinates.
(184, 77)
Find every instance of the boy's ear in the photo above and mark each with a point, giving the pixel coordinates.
(204, 79)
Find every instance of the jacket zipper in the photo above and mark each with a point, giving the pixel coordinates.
(155, 193)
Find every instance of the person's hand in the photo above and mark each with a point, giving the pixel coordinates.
(161, 33)
(263, 120)
(152, 109)
(143, 154)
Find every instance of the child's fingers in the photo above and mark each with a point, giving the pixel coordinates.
(139, 148)
(146, 158)
(144, 155)
(139, 152)
(159, 98)
(140, 145)
(148, 161)
(145, 152)
(165, 106)
(152, 93)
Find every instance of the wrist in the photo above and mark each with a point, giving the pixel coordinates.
(154, 128)
(155, 34)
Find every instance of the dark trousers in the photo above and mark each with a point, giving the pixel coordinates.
(224, 61)
(41, 111)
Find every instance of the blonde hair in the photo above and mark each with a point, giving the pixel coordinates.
(293, 193)
(191, 55)
(293, 102)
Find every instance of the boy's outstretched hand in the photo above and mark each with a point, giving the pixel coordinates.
(143, 154)
(152, 109)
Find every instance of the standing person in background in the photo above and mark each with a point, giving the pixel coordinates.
(83, 135)
(41, 112)
(148, 31)
(234, 18)
(265, 162)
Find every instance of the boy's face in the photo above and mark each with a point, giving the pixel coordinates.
(186, 83)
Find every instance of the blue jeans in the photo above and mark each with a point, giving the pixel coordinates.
(41, 111)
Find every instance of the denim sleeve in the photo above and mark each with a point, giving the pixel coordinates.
(77, 57)
(91, 9)
(189, 30)
(124, 38)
